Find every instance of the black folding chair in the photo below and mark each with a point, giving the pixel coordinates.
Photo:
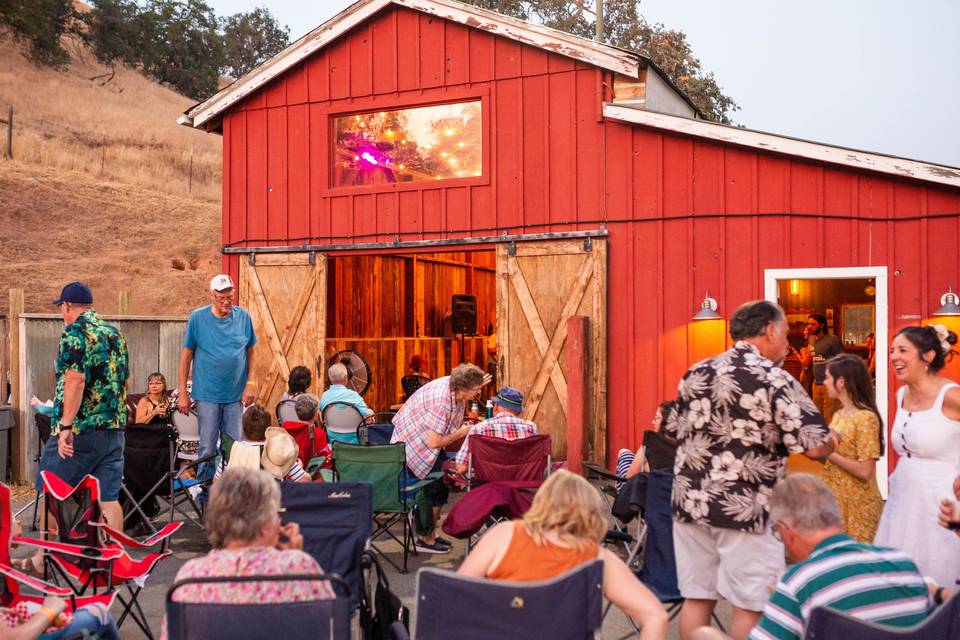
(451, 605)
(320, 619)
(42, 422)
(376, 428)
(942, 624)
(336, 522)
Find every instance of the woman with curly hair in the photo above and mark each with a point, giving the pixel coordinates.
(561, 531)
(926, 434)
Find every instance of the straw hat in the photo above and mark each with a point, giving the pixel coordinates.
(279, 453)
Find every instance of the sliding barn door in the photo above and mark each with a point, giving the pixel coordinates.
(286, 296)
(540, 285)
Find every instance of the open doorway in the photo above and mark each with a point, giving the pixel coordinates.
(854, 301)
(397, 313)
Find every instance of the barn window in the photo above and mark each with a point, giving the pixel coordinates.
(436, 142)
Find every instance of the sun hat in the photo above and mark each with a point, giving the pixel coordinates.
(279, 453)
(509, 398)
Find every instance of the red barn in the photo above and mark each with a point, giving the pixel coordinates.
(409, 150)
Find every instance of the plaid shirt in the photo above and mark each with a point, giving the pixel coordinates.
(431, 408)
(502, 425)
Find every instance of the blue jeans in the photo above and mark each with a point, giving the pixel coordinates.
(216, 418)
(99, 453)
(85, 621)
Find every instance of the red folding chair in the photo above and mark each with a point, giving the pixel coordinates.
(106, 565)
(10, 595)
(514, 465)
(311, 439)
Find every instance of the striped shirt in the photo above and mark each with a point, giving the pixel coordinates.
(502, 425)
(871, 583)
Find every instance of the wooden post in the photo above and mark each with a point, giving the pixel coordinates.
(18, 441)
(576, 390)
(123, 306)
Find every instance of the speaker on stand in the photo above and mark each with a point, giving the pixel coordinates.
(463, 317)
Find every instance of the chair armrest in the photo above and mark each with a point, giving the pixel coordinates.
(127, 541)
(430, 477)
(65, 548)
(34, 582)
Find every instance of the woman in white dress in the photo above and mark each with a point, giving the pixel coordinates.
(926, 435)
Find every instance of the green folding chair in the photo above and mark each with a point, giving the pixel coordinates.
(382, 466)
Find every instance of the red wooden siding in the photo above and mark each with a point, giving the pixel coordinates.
(554, 165)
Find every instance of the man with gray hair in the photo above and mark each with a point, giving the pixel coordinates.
(338, 393)
(875, 584)
(737, 417)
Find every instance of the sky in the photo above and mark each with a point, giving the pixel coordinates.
(875, 75)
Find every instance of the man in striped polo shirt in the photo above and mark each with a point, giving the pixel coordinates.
(833, 570)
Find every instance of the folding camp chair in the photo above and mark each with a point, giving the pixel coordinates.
(619, 534)
(341, 420)
(659, 572)
(286, 411)
(310, 438)
(107, 564)
(376, 428)
(320, 619)
(151, 471)
(568, 606)
(42, 422)
(10, 595)
(491, 459)
(188, 430)
(942, 624)
(336, 522)
(410, 384)
(382, 466)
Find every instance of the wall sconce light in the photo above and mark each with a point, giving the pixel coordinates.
(794, 287)
(949, 304)
(708, 309)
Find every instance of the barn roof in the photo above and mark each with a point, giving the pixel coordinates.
(206, 114)
(776, 143)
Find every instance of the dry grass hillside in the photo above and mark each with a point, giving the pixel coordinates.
(100, 188)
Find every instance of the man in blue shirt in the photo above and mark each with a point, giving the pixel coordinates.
(219, 344)
(338, 392)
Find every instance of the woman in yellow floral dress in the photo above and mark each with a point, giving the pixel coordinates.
(850, 471)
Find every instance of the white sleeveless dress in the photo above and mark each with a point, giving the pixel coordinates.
(929, 446)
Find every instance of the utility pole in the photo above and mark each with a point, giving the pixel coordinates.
(599, 12)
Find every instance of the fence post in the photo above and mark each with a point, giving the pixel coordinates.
(123, 306)
(18, 445)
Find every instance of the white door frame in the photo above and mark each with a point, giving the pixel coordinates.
(881, 319)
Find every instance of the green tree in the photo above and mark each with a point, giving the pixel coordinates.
(41, 24)
(625, 27)
(115, 31)
(251, 38)
(182, 46)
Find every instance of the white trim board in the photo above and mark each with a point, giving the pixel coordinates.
(559, 42)
(863, 160)
(881, 331)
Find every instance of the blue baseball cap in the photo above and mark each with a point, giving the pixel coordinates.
(75, 292)
(509, 398)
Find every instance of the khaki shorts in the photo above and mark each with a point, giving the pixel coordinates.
(713, 562)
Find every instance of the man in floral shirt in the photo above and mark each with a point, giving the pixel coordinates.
(738, 417)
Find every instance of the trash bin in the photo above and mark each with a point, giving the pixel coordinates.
(7, 422)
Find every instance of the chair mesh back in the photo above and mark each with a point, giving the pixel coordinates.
(287, 411)
(500, 459)
(381, 466)
(336, 521)
(659, 562)
(146, 457)
(379, 433)
(410, 384)
(187, 425)
(301, 432)
(568, 606)
(341, 418)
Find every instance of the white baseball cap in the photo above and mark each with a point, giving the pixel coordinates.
(221, 282)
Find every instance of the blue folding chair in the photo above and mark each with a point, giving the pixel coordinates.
(377, 428)
(336, 522)
(322, 619)
(448, 605)
(942, 624)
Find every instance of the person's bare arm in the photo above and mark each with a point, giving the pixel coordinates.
(488, 553)
(824, 450)
(250, 390)
(639, 464)
(861, 469)
(951, 404)
(437, 441)
(622, 588)
(34, 627)
(186, 359)
(144, 412)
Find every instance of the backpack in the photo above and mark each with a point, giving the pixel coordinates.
(386, 607)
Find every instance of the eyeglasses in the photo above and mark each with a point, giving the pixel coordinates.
(223, 297)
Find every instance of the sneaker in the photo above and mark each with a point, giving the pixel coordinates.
(444, 542)
(436, 547)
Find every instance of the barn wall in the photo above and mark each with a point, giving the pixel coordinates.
(684, 215)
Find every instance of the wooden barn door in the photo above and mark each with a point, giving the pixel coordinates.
(286, 295)
(540, 285)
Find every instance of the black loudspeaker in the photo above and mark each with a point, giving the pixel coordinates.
(464, 317)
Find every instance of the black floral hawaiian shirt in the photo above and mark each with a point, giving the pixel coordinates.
(738, 416)
(98, 351)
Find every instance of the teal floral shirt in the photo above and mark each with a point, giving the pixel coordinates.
(98, 351)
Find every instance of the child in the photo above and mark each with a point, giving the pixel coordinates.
(250, 451)
(850, 471)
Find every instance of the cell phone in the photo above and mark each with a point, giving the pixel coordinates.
(953, 525)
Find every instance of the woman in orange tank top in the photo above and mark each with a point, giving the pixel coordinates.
(563, 530)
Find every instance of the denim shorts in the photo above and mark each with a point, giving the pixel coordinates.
(99, 453)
